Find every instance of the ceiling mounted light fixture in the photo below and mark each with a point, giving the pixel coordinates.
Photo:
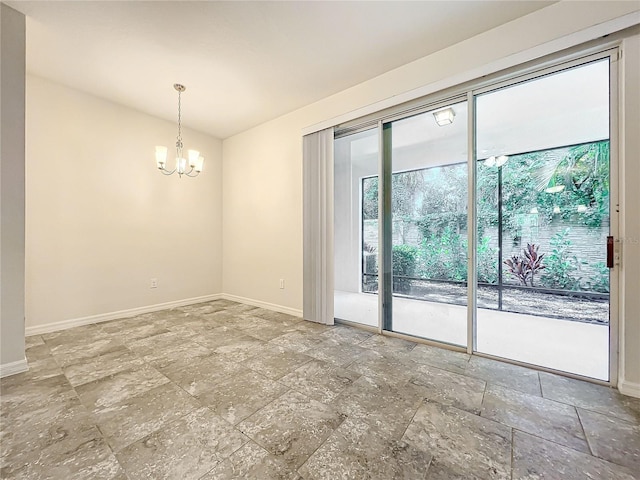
(196, 162)
(496, 161)
(445, 116)
(501, 160)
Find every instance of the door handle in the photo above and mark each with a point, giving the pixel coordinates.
(610, 252)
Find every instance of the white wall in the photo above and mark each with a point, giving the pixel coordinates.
(12, 190)
(630, 225)
(101, 220)
(262, 198)
(262, 171)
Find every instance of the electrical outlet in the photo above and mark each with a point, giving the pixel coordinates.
(154, 283)
(282, 283)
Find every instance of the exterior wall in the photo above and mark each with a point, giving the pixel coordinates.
(582, 241)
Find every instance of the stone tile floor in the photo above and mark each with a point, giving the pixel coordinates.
(222, 390)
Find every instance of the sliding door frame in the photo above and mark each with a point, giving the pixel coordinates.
(469, 92)
(472, 223)
(612, 54)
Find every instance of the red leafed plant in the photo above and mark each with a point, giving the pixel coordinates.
(525, 268)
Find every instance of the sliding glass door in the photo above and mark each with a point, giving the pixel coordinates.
(428, 156)
(356, 244)
(543, 189)
(504, 250)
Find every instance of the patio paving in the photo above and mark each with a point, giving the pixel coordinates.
(565, 345)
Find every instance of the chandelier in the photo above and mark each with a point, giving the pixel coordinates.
(195, 160)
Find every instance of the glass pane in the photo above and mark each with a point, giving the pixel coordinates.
(429, 222)
(543, 221)
(356, 228)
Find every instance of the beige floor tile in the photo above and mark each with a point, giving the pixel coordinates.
(463, 445)
(357, 450)
(535, 458)
(275, 362)
(439, 357)
(504, 374)
(185, 449)
(252, 462)
(119, 386)
(390, 407)
(94, 368)
(449, 388)
(236, 397)
(612, 439)
(171, 392)
(136, 417)
(205, 374)
(320, 380)
(597, 398)
(538, 416)
(292, 427)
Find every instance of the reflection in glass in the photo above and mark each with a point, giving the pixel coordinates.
(429, 224)
(356, 232)
(543, 220)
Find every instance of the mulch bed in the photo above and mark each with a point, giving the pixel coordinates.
(565, 307)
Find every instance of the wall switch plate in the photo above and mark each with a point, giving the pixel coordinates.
(154, 283)
(282, 283)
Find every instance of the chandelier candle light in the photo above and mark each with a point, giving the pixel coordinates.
(196, 161)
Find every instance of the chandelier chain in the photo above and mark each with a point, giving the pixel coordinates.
(179, 140)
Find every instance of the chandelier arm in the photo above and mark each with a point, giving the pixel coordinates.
(188, 174)
(167, 172)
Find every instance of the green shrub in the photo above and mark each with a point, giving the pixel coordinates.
(443, 256)
(600, 280)
(487, 261)
(561, 264)
(404, 264)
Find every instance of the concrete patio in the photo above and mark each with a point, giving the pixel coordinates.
(568, 346)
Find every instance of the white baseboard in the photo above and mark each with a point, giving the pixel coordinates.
(12, 368)
(132, 312)
(105, 317)
(629, 388)
(258, 303)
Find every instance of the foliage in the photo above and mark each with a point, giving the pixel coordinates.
(600, 281)
(487, 261)
(561, 264)
(370, 198)
(443, 203)
(517, 268)
(404, 265)
(444, 256)
(434, 200)
(583, 172)
(533, 260)
(405, 189)
(525, 268)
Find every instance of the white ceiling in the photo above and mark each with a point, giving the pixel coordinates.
(243, 62)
